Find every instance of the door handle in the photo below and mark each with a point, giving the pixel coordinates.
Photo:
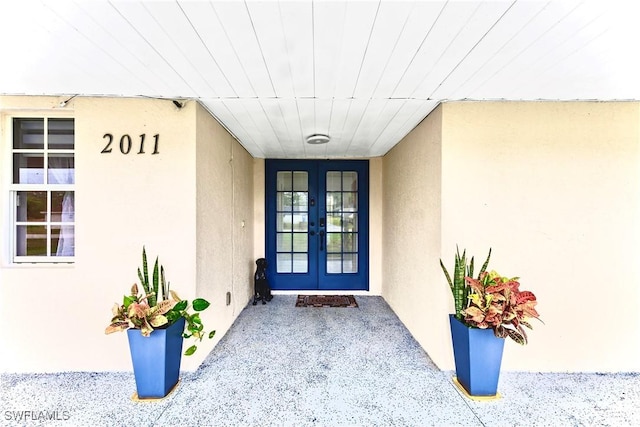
(312, 233)
(321, 233)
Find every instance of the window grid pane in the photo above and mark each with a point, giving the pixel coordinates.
(28, 168)
(60, 134)
(342, 222)
(44, 224)
(292, 221)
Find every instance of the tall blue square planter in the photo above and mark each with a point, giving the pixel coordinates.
(156, 359)
(478, 356)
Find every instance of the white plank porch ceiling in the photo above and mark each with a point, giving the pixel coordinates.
(363, 72)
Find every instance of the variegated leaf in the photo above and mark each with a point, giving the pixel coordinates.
(158, 320)
(516, 336)
(164, 306)
(174, 295)
(115, 310)
(145, 328)
(116, 327)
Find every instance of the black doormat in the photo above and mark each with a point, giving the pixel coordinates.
(326, 301)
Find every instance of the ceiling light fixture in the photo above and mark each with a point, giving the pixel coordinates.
(318, 138)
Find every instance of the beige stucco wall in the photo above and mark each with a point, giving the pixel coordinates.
(411, 236)
(171, 202)
(376, 212)
(259, 237)
(553, 188)
(224, 226)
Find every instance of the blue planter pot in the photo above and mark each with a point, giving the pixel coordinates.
(478, 356)
(156, 359)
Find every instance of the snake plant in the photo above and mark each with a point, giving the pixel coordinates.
(458, 285)
(143, 311)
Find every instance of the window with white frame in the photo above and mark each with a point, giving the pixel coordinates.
(43, 190)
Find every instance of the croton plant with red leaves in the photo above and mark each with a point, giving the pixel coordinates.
(497, 302)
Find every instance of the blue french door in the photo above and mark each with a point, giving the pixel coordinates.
(317, 224)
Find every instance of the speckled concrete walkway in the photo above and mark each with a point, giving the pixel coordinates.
(286, 366)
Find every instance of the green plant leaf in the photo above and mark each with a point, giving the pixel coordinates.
(200, 304)
(145, 271)
(446, 274)
(172, 315)
(211, 334)
(163, 284)
(190, 350)
(127, 300)
(459, 293)
(484, 266)
(141, 277)
(156, 283)
(182, 305)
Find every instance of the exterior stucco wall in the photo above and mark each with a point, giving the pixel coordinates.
(376, 212)
(553, 188)
(411, 236)
(224, 227)
(180, 203)
(122, 203)
(258, 209)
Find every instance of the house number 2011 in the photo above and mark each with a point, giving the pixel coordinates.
(126, 143)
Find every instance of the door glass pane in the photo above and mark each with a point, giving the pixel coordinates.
(350, 242)
(334, 263)
(334, 222)
(283, 263)
(300, 263)
(284, 181)
(300, 201)
(283, 243)
(334, 201)
(284, 201)
(292, 221)
(334, 242)
(300, 221)
(350, 181)
(334, 181)
(300, 242)
(350, 222)
(300, 181)
(349, 202)
(342, 222)
(350, 263)
(283, 222)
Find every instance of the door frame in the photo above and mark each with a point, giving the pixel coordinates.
(329, 281)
